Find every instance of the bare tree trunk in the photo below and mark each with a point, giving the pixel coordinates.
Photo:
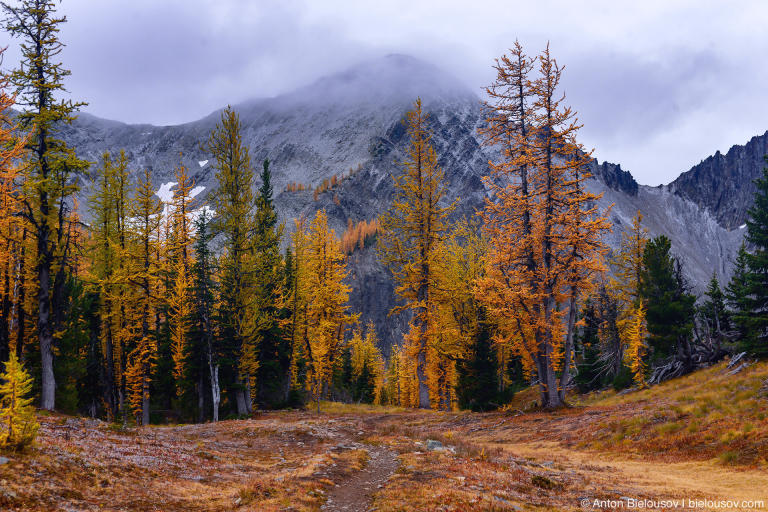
(145, 401)
(215, 389)
(45, 335)
(248, 395)
(567, 357)
(240, 399)
(200, 388)
(421, 364)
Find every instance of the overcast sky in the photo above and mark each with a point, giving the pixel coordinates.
(659, 85)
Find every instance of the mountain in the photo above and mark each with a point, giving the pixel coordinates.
(724, 184)
(350, 123)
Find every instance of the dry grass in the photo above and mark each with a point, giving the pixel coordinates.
(706, 415)
(703, 435)
(285, 459)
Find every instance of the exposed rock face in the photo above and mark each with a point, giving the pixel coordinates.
(353, 121)
(724, 184)
(615, 178)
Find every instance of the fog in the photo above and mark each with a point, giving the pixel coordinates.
(658, 85)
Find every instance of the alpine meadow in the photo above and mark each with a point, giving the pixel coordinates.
(387, 289)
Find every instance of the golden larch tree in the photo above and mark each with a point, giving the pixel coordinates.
(544, 230)
(18, 426)
(410, 232)
(145, 233)
(12, 226)
(625, 287)
(180, 252)
(327, 295)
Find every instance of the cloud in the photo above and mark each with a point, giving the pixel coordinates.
(659, 85)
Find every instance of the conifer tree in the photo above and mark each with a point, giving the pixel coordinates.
(668, 304)
(17, 415)
(204, 298)
(49, 163)
(544, 229)
(460, 317)
(274, 350)
(588, 376)
(411, 231)
(11, 225)
(107, 272)
(714, 316)
(625, 287)
(146, 210)
(234, 204)
(737, 296)
(367, 365)
(326, 307)
(180, 300)
(478, 373)
(295, 301)
(756, 340)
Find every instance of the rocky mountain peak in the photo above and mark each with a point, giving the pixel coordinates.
(724, 184)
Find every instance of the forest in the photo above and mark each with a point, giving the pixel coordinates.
(139, 310)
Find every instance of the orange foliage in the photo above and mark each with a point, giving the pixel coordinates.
(296, 187)
(12, 268)
(544, 230)
(358, 234)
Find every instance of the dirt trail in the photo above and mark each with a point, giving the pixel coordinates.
(354, 494)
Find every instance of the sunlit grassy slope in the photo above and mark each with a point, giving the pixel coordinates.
(707, 414)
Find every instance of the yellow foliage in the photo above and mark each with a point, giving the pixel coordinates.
(17, 415)
(410, 234)
(365, 353)
(14, 267)
(625, 286)
(635, 333)
(319, 303)
(357, 235)
(180, 300)
(544, 230)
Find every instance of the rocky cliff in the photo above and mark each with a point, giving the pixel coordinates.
(724, 184)
(350, 124)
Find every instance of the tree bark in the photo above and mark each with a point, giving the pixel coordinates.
(45, 335)
(565, 377)
(215, 389)
(145, 402)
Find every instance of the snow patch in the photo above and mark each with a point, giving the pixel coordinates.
(742, 226)
(202, 163)
(165, 193)
(195, 214)
(196, 191)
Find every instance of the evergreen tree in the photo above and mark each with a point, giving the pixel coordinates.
(669, 305)
(234, 204)
(714, 315)
(737, 298)
(50, 163)
(204, 293)
(274, 348)
(756, 340)
(477, 382)
(587, 347)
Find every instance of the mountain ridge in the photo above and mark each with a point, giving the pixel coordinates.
(339, 125)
